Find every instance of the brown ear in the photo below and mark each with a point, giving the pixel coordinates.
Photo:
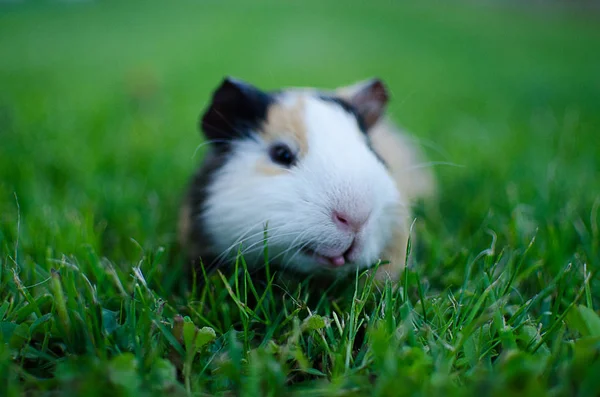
(369, 98)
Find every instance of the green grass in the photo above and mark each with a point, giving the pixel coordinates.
(98, 111)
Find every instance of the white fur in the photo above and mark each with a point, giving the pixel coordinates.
(339, 172)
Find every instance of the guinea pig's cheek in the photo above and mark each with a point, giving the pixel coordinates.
(370, 249)
(359, 253)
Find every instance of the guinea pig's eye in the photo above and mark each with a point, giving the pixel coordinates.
(280, 153)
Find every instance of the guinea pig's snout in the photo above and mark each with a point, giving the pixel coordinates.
(348, 221)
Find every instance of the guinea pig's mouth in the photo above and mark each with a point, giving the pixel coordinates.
(334, 261)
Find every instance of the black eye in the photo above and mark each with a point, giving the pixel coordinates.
(281, 154)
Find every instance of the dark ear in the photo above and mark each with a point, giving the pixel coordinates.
(236, 108)
(368, 98)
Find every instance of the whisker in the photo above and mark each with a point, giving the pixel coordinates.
(291, 247)
(251, 247)
(291, 260)
(433, 163)
(293, 244)
(208, 142)
(243, 238)
(423, 142)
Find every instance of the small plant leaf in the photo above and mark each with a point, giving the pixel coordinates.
(6, 330)
(164, 371)
(39, 321)
(591, 320)
(3, 310)
(312, 371)
(124, 371)
(20, 336)
(314, 322)
(109, 321)
(204, 336)
(584, 320)
(189, 335)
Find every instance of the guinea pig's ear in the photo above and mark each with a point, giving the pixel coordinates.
(236, 108)
(369, 98)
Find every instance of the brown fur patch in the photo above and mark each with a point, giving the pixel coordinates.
(404, 161)
(287, 121)
(414, 183)
(395, 254)
(267, 168)
(284, 121)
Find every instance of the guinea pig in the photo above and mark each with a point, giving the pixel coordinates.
(319, 177)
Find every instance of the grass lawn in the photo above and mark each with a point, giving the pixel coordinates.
(98, 112)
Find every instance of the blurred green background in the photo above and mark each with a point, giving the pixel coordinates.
(99, 103)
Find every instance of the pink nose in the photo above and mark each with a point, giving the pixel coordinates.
(346, 221)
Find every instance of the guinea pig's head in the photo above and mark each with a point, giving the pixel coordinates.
(295, 167)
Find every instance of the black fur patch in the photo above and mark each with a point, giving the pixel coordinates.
(237, 109)
(381, 160)
(199, 237)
